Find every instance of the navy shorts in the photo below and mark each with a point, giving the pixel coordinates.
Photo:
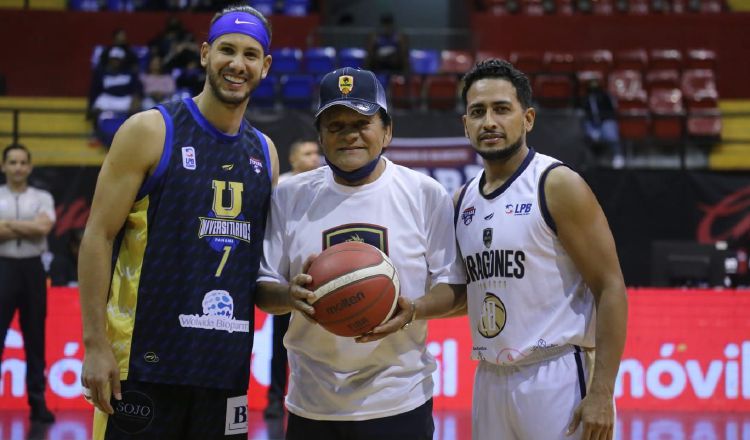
(165, 412)
(416, 424)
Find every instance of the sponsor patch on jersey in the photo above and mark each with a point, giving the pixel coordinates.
(518, 208)
(374, 235)
(236, 421)
(487, 237)
(188, 158)
(134, 413)
(468, 215)
(257, 164)
(493, 318)
(218, 314)
(489, 217)
(224, 227)
(227, 167)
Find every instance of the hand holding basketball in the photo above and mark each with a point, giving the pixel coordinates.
(397, 322)
(355, 288)
(299, 295)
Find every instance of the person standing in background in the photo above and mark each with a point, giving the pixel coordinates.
(26, 217)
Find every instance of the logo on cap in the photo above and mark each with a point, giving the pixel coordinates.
(346, 84)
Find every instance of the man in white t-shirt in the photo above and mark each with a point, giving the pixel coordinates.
(378, 385)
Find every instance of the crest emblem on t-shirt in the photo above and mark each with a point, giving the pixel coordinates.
(257, 165)
(374, 235)
(487, 237)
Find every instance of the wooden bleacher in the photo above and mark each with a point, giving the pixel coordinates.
(733, 153)
(59, 138)
(55, 5)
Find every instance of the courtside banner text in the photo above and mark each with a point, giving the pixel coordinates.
(686, 350)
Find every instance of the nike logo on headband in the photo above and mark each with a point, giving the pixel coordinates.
(238, 21)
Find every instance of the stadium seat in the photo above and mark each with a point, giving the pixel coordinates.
(265, 94)
(441, 92)
(529, 63)
(584, 76)
(705, 124)
(532, 7)
(296, 8)
(626, 85)
(599, 60)
(558, 62)
(320, 60)
(633, 59)
(698, 84)
(405, 91)
(638, 7)
(662, 79)
(603, 7)
(424, 62)
(487, 54)
(700, 59)
(456, 61)
(665, 59)
(668, 114)
(352, 57)
(565, 7)
(265, 7)
(297, 91)
(497, 7)
(286, 60)
(554, 90)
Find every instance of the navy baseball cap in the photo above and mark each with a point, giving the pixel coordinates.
(357, 89)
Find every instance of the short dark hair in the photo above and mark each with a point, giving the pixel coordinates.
(15, 146)
(499, 69)
(240, 7)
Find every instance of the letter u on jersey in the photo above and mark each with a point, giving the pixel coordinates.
(235, 204)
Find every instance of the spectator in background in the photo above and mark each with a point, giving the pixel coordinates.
(387, 48)
(191, 79)
(64, 268)
(116, 92)
(157, 85)
(119, 39)
(303, 156)
(600, 124)
(26, 217)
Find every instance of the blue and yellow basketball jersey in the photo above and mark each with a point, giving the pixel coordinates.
(181, 301)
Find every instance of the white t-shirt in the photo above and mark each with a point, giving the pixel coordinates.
(410, 217)
(25, 206)
(526, 298)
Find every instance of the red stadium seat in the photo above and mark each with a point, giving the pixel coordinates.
(699, 85)
(554, 90)
(638, 7)
(441, 92)
(626, 85)
(603, 7)
(700, 59)
(532, 7)
(668, 112)
(595, 60)
(665, 59)
(704, 124)
(456, 61)
(662, 79)
(527, 62)
(634, 59)
(558, 62)
(406, 92)
(584, 76)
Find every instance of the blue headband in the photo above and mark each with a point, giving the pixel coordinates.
(240, 23)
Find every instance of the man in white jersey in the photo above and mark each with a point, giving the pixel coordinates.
(544, 282)
(378, 385)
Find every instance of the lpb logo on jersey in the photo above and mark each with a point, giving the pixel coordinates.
(518, 208)
(188, 158)
(468, 215)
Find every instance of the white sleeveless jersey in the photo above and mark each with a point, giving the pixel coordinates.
(526, 298)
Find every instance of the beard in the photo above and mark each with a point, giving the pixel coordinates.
(505, 153)
(214, 81)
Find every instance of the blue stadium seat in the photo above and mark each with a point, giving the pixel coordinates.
(320, 60)
(265, 7)
(297, 91)
(265, 94)
(424, 62)
(298, 8)
(286, 60)
(352, 57)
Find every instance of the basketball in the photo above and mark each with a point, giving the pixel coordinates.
(356, 288)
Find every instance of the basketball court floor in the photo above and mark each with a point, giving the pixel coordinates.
(449, 425)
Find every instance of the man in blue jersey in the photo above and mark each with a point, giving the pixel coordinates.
(171, 251)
